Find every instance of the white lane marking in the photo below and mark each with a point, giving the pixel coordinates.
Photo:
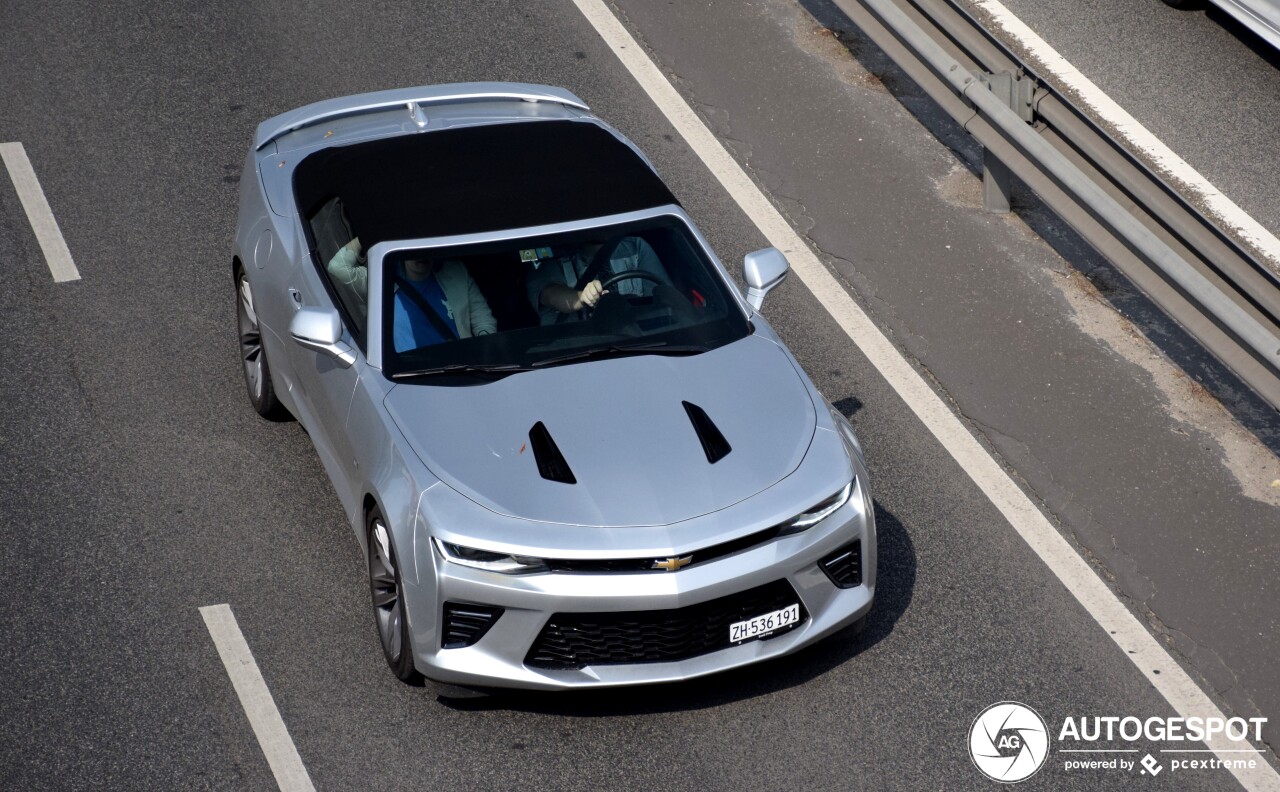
(1132, 637)
(256, 699)
(56, 254)
(1067, 76)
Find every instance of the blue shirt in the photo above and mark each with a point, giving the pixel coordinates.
(412, 329)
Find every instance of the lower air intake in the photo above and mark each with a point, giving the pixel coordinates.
(844, 566)
(463, 624)
(574, 640)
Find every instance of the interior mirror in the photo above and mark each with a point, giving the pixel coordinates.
(762, 270)
(321, 329)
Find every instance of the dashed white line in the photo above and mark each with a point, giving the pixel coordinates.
(255, 698)
(48, 235)
(1065, 75)
(1137, 643)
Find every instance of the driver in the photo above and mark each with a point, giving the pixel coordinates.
(551, 284)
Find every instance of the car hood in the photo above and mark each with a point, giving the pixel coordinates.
(622, 429)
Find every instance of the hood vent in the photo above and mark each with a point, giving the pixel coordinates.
(713, 443)
(551, 463)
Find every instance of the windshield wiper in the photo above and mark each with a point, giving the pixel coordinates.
(620, 350)
(462, 368)
(596, 352)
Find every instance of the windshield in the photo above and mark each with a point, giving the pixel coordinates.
(640, 288)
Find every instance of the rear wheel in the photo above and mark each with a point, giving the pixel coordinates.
(387, 593)
(257, 375)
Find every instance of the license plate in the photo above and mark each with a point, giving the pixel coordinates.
(763, 625)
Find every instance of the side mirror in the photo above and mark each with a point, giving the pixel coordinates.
(762, 270)
(321, 329)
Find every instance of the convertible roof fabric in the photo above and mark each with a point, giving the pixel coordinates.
(480, 178)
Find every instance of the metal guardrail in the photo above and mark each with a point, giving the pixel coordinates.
(1206, 281)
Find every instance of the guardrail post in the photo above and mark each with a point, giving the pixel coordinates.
(997, 180)
(997, 183)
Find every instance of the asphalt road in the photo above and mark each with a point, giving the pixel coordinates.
(136, 484)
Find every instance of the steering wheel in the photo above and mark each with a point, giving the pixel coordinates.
(628, 275)
(599, 261)
(604, 286)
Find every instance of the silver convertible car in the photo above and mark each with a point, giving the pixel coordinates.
(573, 451)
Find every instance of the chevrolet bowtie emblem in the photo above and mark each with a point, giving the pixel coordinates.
(673, 563)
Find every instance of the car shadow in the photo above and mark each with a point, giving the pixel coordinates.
(848, 406)
(895, 583)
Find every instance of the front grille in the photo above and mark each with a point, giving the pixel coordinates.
(574, 640)
(646, 564)
(463, 624)
(844, 566)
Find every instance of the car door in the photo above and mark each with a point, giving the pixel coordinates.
(325, 386)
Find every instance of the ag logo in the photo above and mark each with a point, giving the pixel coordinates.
(1008, 742)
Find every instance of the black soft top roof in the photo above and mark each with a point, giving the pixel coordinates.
(476, 179)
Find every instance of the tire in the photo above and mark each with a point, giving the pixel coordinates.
(387, 595)
(253, 356)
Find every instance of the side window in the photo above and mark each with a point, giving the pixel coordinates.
(330, 228)
(346, 271)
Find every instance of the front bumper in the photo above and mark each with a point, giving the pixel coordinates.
(529, 601)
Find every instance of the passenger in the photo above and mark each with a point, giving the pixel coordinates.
(350, 273)
(551, 284)
(459, 309)
(446, 288)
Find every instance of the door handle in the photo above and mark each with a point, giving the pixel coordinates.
(295, 298)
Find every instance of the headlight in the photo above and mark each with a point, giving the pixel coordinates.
(819, 512)
(485, 559)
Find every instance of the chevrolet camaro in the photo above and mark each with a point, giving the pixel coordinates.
(572, 450)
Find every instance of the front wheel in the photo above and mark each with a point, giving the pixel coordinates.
(387, 592)
(253, 357)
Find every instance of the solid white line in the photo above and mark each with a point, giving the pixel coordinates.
(256, 699)
(1065, 75)
(56, 254)
(1140, 647)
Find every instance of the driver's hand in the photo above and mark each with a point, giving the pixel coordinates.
(590, 295)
